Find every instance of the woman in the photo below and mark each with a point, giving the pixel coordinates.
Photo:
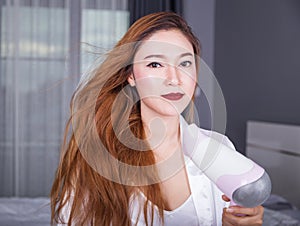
(122, 162)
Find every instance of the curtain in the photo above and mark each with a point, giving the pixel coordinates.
(42, 57)
(139, 8)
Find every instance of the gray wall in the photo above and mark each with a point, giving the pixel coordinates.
(257, 62)
(200, 15)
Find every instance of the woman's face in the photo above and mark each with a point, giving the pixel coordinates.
(164, 73)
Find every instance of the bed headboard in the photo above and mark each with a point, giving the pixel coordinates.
(276, 147)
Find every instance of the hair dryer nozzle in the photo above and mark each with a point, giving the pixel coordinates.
(253, 194)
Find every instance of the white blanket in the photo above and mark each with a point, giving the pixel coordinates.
(25, 211)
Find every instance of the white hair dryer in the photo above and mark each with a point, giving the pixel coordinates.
(239, 178)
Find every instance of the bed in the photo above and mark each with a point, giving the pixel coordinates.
(36, 212)
(276, 147)
(24, 211)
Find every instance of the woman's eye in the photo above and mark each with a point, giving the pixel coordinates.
(154, 65)
(186, 63)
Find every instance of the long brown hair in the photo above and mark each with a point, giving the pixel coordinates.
(94, 198)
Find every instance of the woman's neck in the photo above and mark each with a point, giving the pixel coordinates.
(163, 134)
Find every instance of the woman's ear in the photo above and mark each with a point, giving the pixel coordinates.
(131, 80)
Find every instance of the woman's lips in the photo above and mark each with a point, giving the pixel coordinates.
(173, 96)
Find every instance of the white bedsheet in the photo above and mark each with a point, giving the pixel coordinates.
(280, 212)
(24, 211)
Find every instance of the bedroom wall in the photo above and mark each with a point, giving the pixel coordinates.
(257, 63)
(200, 15)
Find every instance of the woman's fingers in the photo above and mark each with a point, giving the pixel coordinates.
(225, 198)
(256, 211)
(236, 215)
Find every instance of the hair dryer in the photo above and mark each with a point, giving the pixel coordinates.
(239, 178)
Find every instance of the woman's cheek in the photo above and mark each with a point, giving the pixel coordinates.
(149, 86)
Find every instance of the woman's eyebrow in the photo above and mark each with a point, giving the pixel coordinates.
(155, 56)
(186, 54)
(163, 56)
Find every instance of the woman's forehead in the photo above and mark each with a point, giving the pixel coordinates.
(169, 43)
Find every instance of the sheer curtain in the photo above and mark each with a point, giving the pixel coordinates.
(40, 65)
(139, 8)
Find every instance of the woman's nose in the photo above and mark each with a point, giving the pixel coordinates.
(173, 76)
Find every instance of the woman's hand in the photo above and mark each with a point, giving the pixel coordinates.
(236, 215)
